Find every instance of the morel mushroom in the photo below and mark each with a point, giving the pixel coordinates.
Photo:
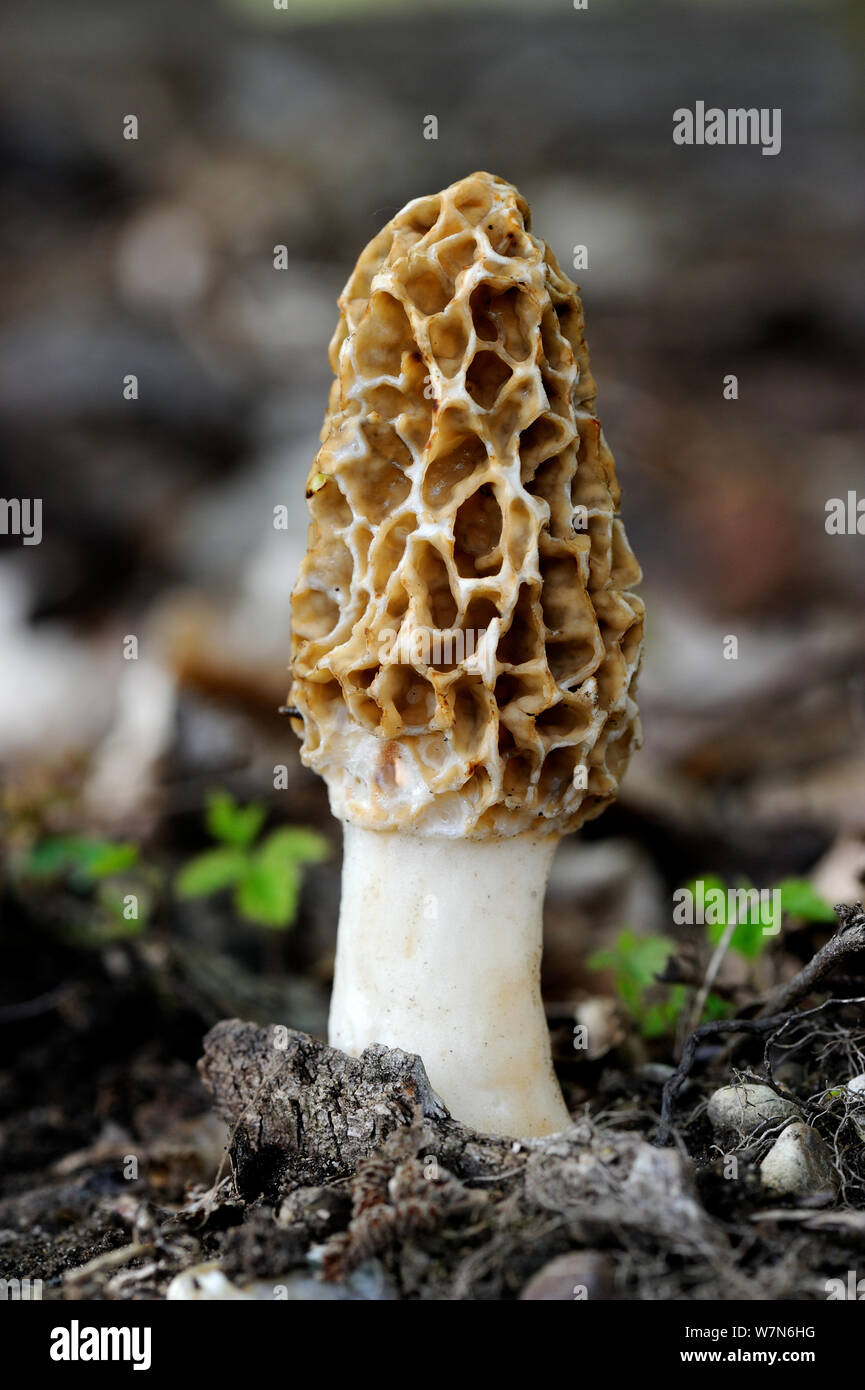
(465, 642)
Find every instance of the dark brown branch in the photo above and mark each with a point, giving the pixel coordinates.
(32, 1008)
(717, 1028)
(777, 1012)
(848, 939)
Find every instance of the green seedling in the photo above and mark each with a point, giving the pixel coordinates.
(107, 872)
(265, 875)
(636, 961)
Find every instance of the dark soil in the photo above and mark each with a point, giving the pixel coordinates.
(297, 1172)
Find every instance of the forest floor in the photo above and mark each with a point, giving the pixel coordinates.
(279, 1168)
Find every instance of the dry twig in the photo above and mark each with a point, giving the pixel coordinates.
(777, 1013)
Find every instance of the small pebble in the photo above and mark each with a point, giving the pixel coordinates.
(581, 1275)
(742, 1109)
(656, 1073)
(202, 1283)
(856, 1084)
(206, 1283)
(798, 1164)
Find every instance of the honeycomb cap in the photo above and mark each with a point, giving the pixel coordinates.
(465, 644)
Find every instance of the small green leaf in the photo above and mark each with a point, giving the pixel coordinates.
(85, 858)
(210, 872)
(800, 900)
(700, 889)
(716, 1007)
(637, 958)
(635, 961)
(233, 824)
(654, 1023)
(108, 859)
(293, 845)
(649, 958)
(748, 938)
(267, 893)
(49, 858)
(660, 1019)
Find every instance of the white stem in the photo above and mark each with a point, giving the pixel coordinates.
(439, 953)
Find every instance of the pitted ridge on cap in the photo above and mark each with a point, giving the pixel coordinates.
(465, 644)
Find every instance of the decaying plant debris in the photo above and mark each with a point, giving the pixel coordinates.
(298, 1172)
(453, 1213)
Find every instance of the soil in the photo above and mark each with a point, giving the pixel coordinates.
(296, 1172)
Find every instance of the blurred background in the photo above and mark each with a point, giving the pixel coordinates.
(301, 127)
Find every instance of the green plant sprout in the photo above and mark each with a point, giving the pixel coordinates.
(79, 860)
(635, 961)
(265, 875)
(749, 939)
(107, 871)
(799, 899)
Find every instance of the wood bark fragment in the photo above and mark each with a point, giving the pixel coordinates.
(304, 1116)
(302, 1112)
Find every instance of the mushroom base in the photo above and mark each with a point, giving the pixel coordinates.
(439, 953)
